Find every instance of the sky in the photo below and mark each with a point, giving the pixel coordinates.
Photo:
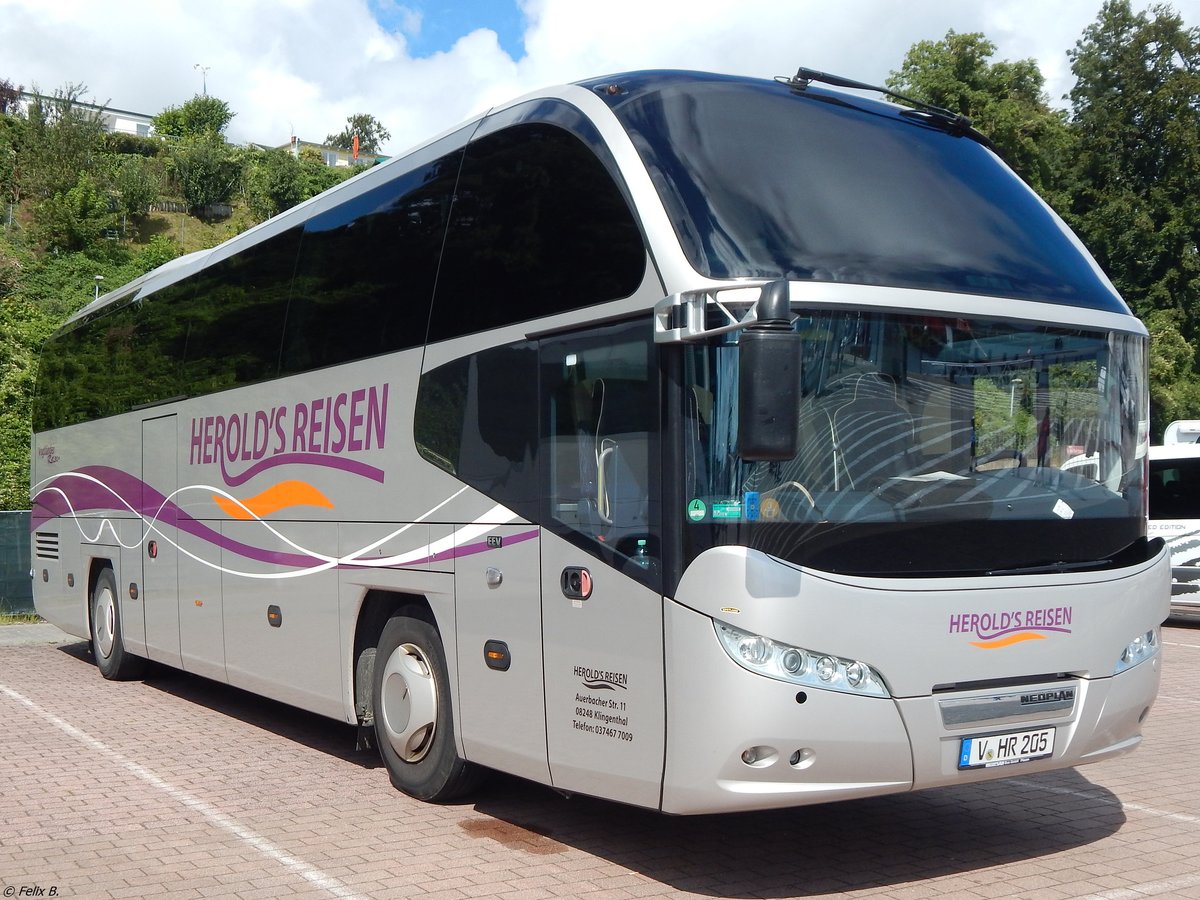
(422, 66)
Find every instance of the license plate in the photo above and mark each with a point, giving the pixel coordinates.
(1004, 749)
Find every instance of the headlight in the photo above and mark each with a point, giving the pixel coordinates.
(797, 665)
(1140, 649)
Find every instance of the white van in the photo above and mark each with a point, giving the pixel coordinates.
(1175, 512)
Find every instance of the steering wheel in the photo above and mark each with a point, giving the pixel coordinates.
(792, 486)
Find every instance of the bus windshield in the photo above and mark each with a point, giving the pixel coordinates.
(763, 181)
(929, 445)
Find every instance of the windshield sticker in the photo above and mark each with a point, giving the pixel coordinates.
(696, 510)
(751, 505)
(731, 510)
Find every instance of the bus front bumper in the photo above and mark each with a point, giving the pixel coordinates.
(739, 741)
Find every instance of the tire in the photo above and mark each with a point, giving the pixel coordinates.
(112, 659)
(414, 727)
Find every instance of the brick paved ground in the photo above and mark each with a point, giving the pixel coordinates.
(178, 787)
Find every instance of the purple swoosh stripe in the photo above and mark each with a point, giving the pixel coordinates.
(46, 506)
(303, 459)
(115, 486)
(115, 490)
(993, 636)
(453, 553)
(477, 547)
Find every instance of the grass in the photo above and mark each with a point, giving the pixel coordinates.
(192, 233)
(10, 618)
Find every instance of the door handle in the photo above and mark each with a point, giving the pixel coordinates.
(576, 583)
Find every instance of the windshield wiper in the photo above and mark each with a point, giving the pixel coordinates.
(950, 122)
(1054, 567)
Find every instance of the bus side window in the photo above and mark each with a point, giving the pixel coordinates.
(235, 315)
(600, 396)
(366, 269)
(476, 417)
(539, 227)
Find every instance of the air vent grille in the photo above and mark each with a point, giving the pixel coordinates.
(46, 545)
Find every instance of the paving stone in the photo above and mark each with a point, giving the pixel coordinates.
(180, 787)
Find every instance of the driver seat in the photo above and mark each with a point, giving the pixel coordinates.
(873, 434)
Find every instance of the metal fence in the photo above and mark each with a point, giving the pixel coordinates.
(16, 590)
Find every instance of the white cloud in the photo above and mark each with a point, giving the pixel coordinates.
(308, 64)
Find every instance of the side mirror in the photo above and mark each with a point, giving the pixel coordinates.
(769, 381)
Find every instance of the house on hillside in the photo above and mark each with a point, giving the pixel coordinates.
(117, 121)
(334, 157)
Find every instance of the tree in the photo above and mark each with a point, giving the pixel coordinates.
(11, 129)
(38, 292)
(1174, 388)
(10, 271)
(73, 220)
(202, 116)
(371, 134)
(158, 250)
(17, 361)
(1005, 100)
(61, 138)
(316, 176)
(138, 184)
(1136, 171)
(273, 182)
(9, 96)
(205, 170)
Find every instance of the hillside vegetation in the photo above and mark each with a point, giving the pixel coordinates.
(83, 211)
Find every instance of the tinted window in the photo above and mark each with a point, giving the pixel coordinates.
(367, 269)
(762, 181)
(601, 443)
(353, 282)
(111, 363)
(234, 317)
(593, 475)
(1175, 488)
(476, 417)
(539, 227)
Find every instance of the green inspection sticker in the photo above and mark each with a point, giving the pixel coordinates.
(696, 510)
(727, 510)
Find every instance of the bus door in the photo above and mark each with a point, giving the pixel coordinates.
(498, 612)
(160, 536)
(601, 585)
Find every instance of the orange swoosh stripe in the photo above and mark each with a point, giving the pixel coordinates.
(1009, 641)
(273, 499)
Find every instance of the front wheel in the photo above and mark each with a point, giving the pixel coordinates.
(413, 725)
(108, 646)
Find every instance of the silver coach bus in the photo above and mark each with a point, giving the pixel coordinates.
(686, 440)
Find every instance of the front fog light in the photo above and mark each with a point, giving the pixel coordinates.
(797, 665)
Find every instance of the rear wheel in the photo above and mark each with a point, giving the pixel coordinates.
(108, 646)
(413, 724)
